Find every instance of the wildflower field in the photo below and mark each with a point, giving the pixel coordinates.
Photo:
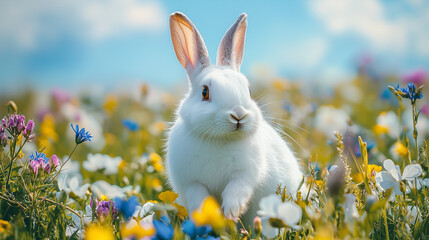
(75, 166)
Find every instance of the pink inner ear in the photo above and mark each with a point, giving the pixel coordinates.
(184, 41)
(231, 49)
(188, 44)
(240, 35)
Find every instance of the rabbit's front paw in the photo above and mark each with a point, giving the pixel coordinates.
(233, 207)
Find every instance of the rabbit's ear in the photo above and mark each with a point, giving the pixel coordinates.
(231, 49)
(188, 43)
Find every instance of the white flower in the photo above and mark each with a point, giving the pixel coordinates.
(391, 178)
(350, 210)
(101, 188)
(390, 121)
(142, 211)
(98, 161)
(329, 119)
(273, 207)
(71, 184)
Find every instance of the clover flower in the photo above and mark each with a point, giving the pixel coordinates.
(104, 208)
(392, 177)
(40, 161)
(3, 137)
(15, 125)
(164, 230)
(127, 207)
(81, 135)
(409, 92)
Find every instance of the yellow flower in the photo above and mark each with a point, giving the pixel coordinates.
(122, 164)
(400, 149)
(168, 196)
(380, 129)
(137, 231)
(5, 227)
(319, 183)
(104, 197)
(110, 103)
(156, 162)
(373, 169)
(156, 184)
(357, 177)
(181, 211)
(47, 135)
(279, 84)
(96, 232)
(209, 214)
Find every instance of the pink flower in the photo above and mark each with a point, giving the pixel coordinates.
(55, 160)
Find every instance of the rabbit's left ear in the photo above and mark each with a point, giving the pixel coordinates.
(231, 49)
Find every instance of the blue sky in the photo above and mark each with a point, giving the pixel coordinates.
(83, 44)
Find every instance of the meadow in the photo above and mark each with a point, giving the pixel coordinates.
(77, 166)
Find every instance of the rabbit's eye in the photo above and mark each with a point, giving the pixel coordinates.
(206, 93)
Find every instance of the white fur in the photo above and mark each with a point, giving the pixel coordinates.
(206, 154)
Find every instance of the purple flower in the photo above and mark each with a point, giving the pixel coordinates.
(418, 77)
(39, 160)
(104, 208)
(3, 138)
(28, 132)
(425, 110)
(15, 124)
(55, 160)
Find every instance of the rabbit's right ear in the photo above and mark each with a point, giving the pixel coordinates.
(188, 44)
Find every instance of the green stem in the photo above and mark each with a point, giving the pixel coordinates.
(13, 156)
(58, 172)
(385, 223)
(62, 165)
(415, 130)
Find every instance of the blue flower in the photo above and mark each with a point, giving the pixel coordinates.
(81, 135)
(208, 237)
(410, 92)
(127, 207)
(164, 230)
(189, 228)
(130, 125)
(38, 156)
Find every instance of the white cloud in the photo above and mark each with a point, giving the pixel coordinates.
(26, 24)
(371, 20)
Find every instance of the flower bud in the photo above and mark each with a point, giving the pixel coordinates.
(402, 186)
(257, 225)
(11, 107)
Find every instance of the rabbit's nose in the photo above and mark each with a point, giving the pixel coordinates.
(238, 113)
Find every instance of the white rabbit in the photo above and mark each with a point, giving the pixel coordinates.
(220, 144)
